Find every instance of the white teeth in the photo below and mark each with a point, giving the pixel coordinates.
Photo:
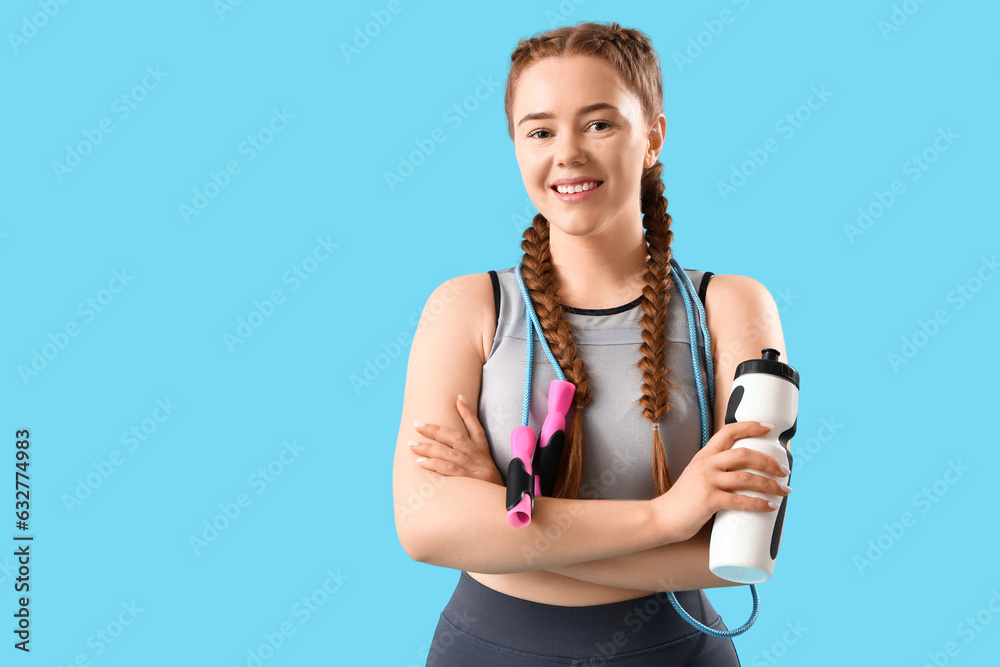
(579, 187)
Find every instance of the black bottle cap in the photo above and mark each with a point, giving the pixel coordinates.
(768, 363)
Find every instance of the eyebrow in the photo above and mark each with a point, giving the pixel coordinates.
(538, 115)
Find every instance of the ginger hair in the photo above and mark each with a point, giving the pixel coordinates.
(631, 54)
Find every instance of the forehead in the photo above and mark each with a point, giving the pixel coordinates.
(560, 85)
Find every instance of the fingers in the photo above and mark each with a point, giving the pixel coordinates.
(441, 458)
(745, 480)
(443, 467)
(435, 457)
(730, 433)
(456, 439)
(744, 457)
(440, 433)
(742, 503)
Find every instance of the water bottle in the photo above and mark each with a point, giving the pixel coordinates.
(745, 545)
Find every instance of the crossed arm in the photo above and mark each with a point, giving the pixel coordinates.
(742, 320)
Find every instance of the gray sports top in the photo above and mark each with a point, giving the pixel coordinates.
(618, 457)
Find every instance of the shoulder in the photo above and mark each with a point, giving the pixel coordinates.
(742, 318)
(465, 302)
(730, 292)
(740, 308)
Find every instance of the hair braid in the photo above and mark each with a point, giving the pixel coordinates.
(543, 287)
(655, 399)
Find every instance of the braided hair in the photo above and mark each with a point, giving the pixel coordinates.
(631, 53)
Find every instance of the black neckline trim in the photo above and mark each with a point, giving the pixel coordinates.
(604, 311)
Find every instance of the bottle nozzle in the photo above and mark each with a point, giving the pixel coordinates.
(770, 353)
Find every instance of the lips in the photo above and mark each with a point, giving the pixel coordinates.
(595, 183)
(576, 197)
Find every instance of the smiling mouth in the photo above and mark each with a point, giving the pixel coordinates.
(578, 187)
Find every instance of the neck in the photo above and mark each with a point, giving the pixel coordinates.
(600, 270)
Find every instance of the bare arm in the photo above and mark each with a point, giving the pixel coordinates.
(742, 320)
(461, 522)
(681, 566)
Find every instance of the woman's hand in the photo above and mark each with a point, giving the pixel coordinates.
(454, 454)
(705, 485)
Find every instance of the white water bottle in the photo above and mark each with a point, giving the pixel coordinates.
(745, 545)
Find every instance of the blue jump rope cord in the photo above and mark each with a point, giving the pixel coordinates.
(532, 317)
(688, 286)
(675, 269)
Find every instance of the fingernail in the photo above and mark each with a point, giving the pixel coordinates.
(784, 469)
(419, 424)
(413, 443)
(784, 487)
(766, 425)
(773, 504)
(421, 459)
(462, 398)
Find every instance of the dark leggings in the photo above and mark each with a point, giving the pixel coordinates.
(481, 627)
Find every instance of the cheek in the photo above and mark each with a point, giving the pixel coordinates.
(530, 172)
(535, 179)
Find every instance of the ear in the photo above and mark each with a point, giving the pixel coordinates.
(654, 141)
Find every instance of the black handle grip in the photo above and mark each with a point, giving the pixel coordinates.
(519, 482)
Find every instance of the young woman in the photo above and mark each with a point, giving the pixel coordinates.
(585, 581)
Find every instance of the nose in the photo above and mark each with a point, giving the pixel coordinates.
(569, 149)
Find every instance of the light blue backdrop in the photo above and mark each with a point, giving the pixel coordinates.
(200, 249)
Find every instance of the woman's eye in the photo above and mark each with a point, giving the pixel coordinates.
(536, 133)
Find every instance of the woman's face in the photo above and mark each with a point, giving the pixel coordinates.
(609, 145)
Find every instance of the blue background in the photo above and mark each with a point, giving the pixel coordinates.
(849, 302)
